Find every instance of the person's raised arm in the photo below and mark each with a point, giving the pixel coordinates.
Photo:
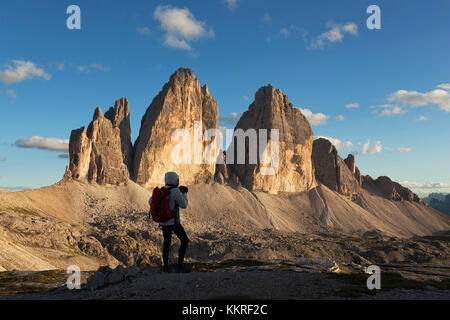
(180, 198)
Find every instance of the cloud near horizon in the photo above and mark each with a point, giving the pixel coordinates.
(425, 185)
(21, 71)
(181, 27)
(14, 189)
(49, 144)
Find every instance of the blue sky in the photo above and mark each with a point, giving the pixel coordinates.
(320, 53)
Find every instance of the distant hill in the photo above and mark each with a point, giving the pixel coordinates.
(441, 205)
(435, 195)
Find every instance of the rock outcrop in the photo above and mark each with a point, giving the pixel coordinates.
(351, 164)
(180, 105)
(288, 170)
(102, 152)
(389, 189)
(332, 171)
(119, 115)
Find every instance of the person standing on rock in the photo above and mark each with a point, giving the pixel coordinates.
(177, 198)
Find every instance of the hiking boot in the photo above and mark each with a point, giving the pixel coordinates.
(183, 269)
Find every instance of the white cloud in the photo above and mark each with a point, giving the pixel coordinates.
(384, 110)
(335, 33)
(100, 67)
(21, 71)
(424, 185)
(445, 86)
(285, 32)
(424, 188)
(352, 105)
(11, 93)
(368, 149)
(14, 189)
(439, 97)
(315, 119)
(339, 144)
(92, 66)
(37, 142)
(145, 31)
(340, 117)
(267, 18)
(422, 118)
(232, 4)
(60, 66)
(181, 27)
(404, 150)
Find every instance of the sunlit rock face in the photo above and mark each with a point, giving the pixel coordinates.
(181, 105)
(102, 152)
(292, 163)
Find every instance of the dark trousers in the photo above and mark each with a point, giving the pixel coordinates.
(181, 234)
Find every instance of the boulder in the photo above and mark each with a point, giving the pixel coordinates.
(288, 170)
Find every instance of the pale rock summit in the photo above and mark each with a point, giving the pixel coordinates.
(180, 104)
(272, 110)
(101, 153)
(332, 171)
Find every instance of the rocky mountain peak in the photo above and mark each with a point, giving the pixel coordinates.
(180, 104)
(272, 110)
(332, 171)
(99, 154)
(389, 189)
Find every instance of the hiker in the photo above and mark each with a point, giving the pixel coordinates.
(175, 197)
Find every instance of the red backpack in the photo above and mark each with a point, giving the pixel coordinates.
(159, 210)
